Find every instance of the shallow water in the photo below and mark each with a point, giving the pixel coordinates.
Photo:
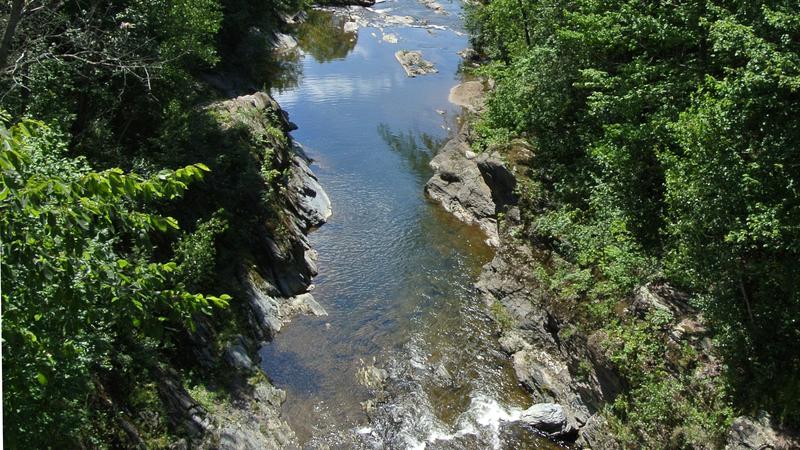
(396, 271)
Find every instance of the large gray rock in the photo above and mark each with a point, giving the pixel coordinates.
(269, 311)
(310, 200)
(253, 421)
(548, 418)
(264, 306)
(184, 411)
(550, 380)
(595, 434)
(458, 185)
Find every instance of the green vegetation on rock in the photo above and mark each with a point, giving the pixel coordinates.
(110, 137)
(664, 149)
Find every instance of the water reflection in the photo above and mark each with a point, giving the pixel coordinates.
(396, 271)
(323, 37)
(416, 148)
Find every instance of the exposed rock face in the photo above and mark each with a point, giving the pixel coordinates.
(185, 412)
(310, 200)
(459, 186)
(758, 433)
(275, 276)
(253, 422)
(469, 55)
(236, 356)
(473, 187)
(413, 63)
(269, 311)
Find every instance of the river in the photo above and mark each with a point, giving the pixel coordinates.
(396, 271)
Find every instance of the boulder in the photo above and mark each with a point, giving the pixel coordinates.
(469, 54)
(549, 418)
(311, 202)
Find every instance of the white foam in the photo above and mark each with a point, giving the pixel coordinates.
(485, 414)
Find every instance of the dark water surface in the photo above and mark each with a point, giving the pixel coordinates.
(396, 271)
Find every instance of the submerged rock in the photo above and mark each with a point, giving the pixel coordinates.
(414, 64)
(434, 5)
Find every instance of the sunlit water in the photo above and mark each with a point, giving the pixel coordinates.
(396, 272)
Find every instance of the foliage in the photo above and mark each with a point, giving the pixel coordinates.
(665, 145)
(78, 276)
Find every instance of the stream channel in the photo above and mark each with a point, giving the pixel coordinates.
(396, 271)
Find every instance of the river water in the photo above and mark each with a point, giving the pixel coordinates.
(396, 271)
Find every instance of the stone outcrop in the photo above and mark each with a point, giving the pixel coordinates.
(274, 278)
(459, 186)
(758, 433)
(568, 373)
(473, 187)
(414, 64)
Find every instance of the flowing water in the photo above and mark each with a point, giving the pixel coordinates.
(396, 271)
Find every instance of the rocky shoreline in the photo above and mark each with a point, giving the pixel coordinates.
(557, 363)
(276, 279)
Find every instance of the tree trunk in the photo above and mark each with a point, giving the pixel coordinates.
(525, 23)
(11, 27)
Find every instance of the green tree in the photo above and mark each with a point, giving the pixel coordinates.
(79, 277)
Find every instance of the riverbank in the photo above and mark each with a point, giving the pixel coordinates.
(557, 354)
(234, 405)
